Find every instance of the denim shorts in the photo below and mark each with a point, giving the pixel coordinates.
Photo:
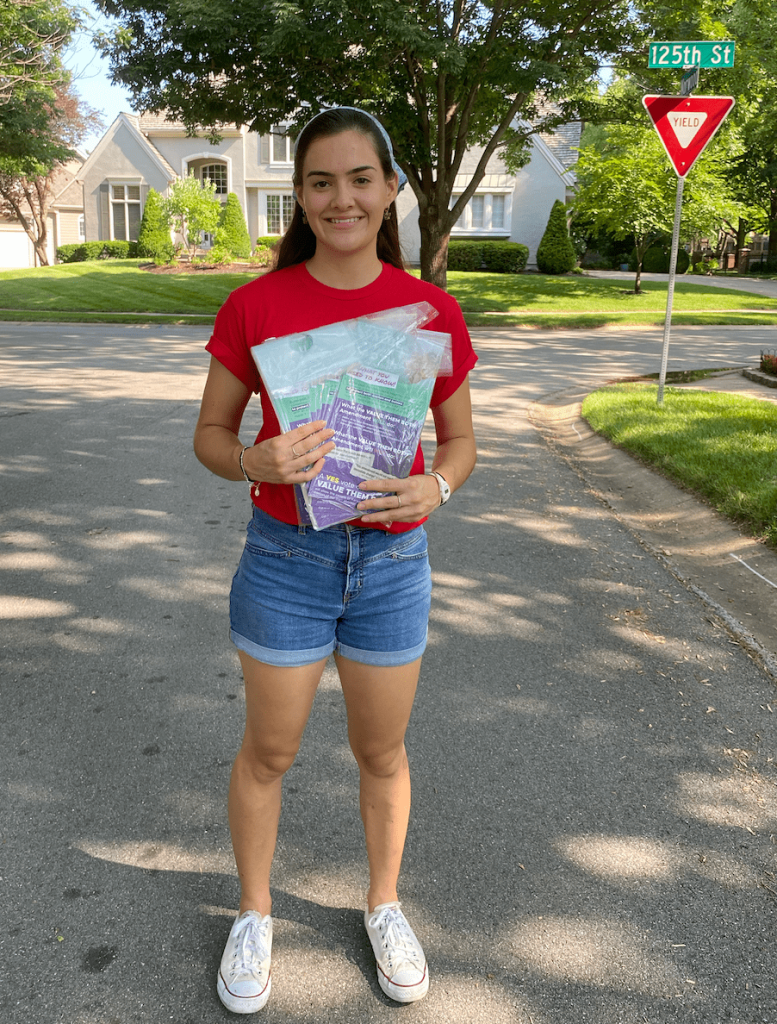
(300, 594)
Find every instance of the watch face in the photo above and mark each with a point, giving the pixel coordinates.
(445, 491)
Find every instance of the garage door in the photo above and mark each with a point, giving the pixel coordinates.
(15, 250)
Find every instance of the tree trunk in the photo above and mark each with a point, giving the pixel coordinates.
(638, 279)
(772, 251)
(742, 229)
(434, 248)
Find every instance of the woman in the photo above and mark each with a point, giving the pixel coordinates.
(360, 590)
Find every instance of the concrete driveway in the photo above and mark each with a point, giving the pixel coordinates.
(592, 750)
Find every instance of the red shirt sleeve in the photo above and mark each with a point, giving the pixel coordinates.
(227, 344)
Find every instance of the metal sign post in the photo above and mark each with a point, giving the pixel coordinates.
(678, 206)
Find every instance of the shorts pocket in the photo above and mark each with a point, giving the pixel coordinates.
(413, 546)
(261, 543)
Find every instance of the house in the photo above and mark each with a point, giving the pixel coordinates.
(140, 152)
(65, 221)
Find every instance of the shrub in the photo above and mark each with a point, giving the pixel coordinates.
(81, 252)
(463, 255)
(154, 240)
(219, 254)
(118, 250)
(769, 362)
(65, 253)
(262, 255)
(556, 253)
(232, 232)
(656, 260)
(504, 257)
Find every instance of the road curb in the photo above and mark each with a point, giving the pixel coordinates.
(611, 474)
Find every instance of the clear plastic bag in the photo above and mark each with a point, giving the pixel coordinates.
(371, 380)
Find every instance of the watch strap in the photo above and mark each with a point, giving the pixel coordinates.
(445, 488)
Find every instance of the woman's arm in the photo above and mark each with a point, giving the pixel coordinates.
(279, 460)
(454, 460)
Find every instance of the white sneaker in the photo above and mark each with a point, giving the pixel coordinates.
(244, 976)
(402, 970)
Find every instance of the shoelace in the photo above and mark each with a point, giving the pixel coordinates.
(395, 933)
(250, 948)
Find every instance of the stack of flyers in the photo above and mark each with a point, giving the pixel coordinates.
(371, 381)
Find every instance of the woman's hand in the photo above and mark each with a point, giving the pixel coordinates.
(399, 501)
(290, 458)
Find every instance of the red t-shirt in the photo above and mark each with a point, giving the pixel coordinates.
(291, 300)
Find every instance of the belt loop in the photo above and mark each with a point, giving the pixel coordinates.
(302, 529)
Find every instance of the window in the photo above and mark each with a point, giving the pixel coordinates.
(82, 228)
(484, 213)
(280, 210)
(497, 212)
(476, 207)
(125, 212)
(277, 147)
(217, 173)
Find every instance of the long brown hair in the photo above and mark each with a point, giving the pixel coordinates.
(299, 243)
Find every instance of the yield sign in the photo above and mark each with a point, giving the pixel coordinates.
(685, 124)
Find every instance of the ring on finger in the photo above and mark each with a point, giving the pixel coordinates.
(399, 502)
(294, 452)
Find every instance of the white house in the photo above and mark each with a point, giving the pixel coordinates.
(140, 152)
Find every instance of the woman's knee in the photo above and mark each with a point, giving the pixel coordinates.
(380, 761)
(264, 765)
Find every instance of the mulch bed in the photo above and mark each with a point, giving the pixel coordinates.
(204, 268)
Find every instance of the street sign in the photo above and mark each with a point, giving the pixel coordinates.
(699, 54)
(685, 124)
(689, 81)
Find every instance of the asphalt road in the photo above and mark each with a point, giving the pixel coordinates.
(593, 756)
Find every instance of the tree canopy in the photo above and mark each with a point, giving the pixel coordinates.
(442, 75)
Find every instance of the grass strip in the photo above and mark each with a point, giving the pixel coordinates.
(114, 288)
(720, 446)
(592, 321)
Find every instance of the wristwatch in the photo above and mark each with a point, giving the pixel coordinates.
(445, 491)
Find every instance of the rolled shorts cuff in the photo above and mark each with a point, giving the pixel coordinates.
(387, 659)
(281, 659)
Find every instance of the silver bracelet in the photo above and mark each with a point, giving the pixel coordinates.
(242, 467)
(254, 483)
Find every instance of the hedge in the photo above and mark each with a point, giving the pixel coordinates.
(81, 252)
(465, 255)
(494, 257)
(505, 257)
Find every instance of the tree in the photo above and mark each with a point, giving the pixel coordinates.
(232, 232)
(29, 183)
(626, 187)
(556, 253)
(193, 208)
(33, 34)
(442, 75)
(154, 240)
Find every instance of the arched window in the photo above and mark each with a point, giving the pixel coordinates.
(217, 173)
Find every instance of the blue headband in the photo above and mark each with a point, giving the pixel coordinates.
(401, 176)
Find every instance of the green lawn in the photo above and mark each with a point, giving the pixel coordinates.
(113, 287)
(723, 447)
(579, 301)
(118, 290)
